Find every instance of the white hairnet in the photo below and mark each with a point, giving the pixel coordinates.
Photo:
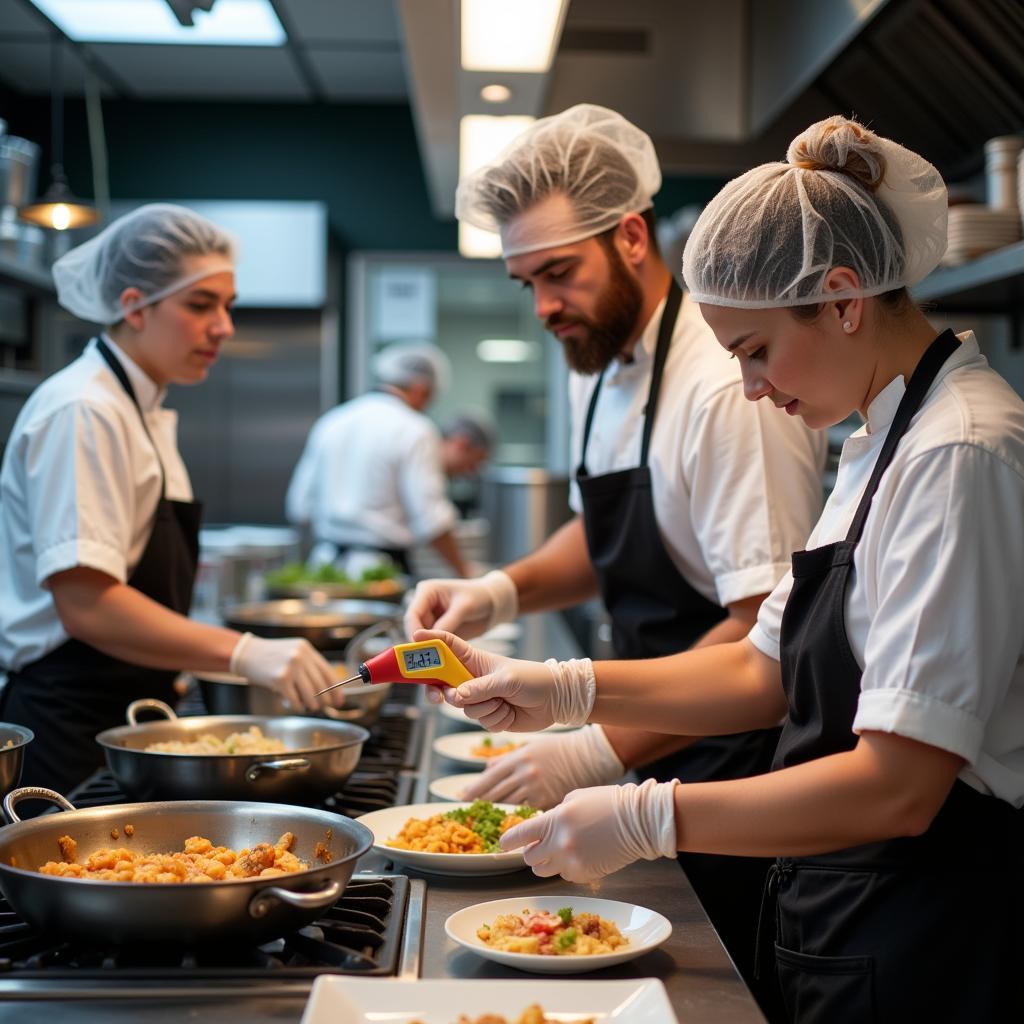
(574, 175)
(845, 198)
(402, 364)
(144, 249)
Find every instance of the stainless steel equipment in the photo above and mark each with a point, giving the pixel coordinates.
(320, 757)
(525, 506)
(245, 910)
(13, 741)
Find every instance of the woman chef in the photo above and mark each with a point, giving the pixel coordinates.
(893, 650)
(97, 521)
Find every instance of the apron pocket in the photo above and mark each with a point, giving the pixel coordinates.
(826, 989)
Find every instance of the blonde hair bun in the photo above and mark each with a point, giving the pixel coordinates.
(841, 145)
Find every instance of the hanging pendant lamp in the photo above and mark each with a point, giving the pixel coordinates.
(58, 208)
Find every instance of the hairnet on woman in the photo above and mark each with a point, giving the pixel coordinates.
(894, 649)
(96, 507)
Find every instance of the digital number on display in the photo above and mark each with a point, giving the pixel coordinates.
(425, 657)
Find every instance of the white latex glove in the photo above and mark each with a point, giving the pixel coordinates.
(517, 696)
(293, 668)
(545, 769)
(466, 607)
(594, 832)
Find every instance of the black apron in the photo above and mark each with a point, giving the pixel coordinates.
(75, 691)
(655, 612)
(925, 928)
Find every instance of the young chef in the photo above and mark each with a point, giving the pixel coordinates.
(894, 649)
(688, 499)
(97, 520)
(371, 477)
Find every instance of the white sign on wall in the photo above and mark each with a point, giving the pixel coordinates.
(403, 304)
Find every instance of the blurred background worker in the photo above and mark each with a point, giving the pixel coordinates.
(372, 475)
(469, 441)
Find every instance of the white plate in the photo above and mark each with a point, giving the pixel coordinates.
(645, 929)
(451, 786)
(388, 823)
(458, 746)
(338, 1000)
(460, 716)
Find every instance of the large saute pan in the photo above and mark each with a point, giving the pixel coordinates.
(250, 910)
(13, 741)
(321, 755)
(327, 625)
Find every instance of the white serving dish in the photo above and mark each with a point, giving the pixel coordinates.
(450, 787)
(458, 746)
(645, 929)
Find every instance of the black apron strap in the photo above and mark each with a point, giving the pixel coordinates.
(920, 381)
(666, 327)
(119, 372)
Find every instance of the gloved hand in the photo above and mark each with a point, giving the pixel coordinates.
(542, 771)
(520, 696)
(468, 607)
(293, 668)
(594, 832)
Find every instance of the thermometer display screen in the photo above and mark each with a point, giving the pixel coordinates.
(424, 657)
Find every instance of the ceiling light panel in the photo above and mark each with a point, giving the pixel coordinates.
(501, 36)
(230, 23)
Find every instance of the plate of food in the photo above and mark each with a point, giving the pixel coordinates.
(478, 749)
(448, 840)
(558, 934)
(340, 1000)
(450, 787)
(383, 582)
(460, 716)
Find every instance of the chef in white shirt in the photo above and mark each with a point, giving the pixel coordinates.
(97, 520)
(894, 649)
(371, 477)
(688, 499)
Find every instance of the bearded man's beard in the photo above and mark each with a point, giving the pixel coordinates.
(614, 322)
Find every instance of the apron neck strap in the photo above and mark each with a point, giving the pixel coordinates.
(921, 380)
(119, 372)
(666, 326)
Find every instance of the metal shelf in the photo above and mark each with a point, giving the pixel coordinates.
(992, 283)
(39, 281)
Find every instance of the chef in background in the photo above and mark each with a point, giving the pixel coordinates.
(688, 498)
(98, 524)
(467, 442)
(371, 479)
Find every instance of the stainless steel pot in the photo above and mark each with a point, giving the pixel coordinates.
(13, 741)
(321, 756)
(250, 910)
(327, 625)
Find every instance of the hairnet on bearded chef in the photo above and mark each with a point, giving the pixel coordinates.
(403, 364)
(845, 198)
(577, 174)
(144, 249)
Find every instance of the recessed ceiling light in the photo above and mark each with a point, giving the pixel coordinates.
(496, 93)
(498, 35)
(507, 350)
(229, 23)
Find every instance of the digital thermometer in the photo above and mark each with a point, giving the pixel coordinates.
(423, 661)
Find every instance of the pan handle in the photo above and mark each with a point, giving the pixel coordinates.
(262, 902)
(356, 646)
(291, 764)
(32, 793)
(148, 704)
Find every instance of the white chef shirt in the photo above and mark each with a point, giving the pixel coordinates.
(371, 475)
(934, 612)
(736, 484)
(79, 486)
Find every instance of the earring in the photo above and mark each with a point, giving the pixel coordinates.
(847, 326)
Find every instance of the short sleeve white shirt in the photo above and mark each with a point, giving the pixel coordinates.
(934, 613)
(79, 487)
(736, 484)
(371, 475)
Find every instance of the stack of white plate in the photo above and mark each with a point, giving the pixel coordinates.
(975, 229)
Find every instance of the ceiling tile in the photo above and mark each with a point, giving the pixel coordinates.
(15, 18)
(340, 21)
(208, 72)
(25, 65)
(348, 75)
